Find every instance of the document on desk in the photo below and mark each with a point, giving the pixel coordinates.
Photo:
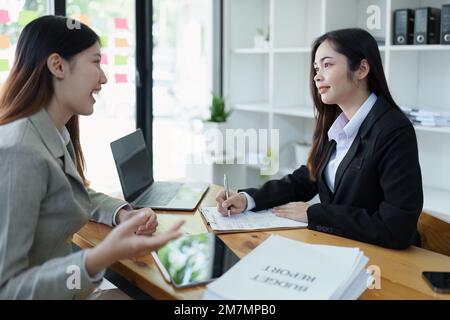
(248, 221)
(286, 269)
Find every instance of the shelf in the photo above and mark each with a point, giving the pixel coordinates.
(252, 107)
(433, 129)
(251, 51)
(293, 50)
(280, 50)
(437, 203)
(430, 47)
(301, 112)
(267, 50)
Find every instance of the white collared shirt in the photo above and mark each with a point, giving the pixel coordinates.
(344, 133)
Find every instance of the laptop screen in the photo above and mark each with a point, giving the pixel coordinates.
(133, 164)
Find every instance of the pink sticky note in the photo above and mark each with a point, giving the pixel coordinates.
(104, 59)
(121, 23)
(4, 16)
(121, 78)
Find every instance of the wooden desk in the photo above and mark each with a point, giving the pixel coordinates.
(400, 270)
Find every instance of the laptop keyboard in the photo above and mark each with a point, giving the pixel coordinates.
(160, 194)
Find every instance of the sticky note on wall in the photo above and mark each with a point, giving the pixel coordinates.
(121, 60)
(4, 41)
(121, 23)
(4, 65)
(104, 59)
(121, 78)
(104, 42)
(4, 16)
(26, 16)
(121, 43)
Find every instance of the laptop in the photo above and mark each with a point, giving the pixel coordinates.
(205, 258)
(135, 170)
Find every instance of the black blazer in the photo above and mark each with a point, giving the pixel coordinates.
(378, 187)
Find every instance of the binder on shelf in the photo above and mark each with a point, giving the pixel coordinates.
(445, 24)
(427, 23)
(403, 26)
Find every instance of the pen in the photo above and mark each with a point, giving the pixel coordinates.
(225, 184)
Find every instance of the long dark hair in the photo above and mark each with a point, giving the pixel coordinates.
(29, 86)
(355, 44)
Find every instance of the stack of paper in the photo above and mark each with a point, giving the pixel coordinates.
(432, 118)
(247, 221)
(284, 269)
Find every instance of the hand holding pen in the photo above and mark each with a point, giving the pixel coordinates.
(227, 192)
(236, 203)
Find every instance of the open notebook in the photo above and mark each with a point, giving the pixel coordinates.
(247, 221)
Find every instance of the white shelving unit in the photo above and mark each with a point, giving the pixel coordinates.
(269, 87)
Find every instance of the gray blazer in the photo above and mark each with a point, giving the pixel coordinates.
(43, 202)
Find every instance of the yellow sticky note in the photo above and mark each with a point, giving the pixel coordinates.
(121, 43)
(121, 60)
(4, 65)
(26, 16)
(104, 42)
(4, 41)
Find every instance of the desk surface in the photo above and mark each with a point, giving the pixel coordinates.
(400, 270)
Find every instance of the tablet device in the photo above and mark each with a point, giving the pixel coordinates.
(194, 259)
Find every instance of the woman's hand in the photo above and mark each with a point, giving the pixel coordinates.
(236, 202)
(294, 211)
(123, 242)
(147, 228)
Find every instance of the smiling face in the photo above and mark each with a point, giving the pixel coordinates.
(83, 78)
(332, 75)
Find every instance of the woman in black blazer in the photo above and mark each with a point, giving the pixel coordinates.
(364, 159)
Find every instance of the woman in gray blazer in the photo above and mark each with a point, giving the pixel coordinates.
(44, 194)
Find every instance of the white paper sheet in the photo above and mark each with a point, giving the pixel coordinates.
(248, 220)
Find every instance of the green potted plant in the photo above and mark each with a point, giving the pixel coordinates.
(215, 126)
